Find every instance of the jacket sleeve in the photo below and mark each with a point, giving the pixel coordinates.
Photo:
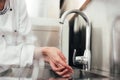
(24, 24)
(16, 55)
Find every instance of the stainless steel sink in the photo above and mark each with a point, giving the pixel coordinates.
(77, 75)
(80, 74)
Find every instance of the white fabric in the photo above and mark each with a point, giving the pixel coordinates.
(11, 78)
(16, 48)
(43, 8)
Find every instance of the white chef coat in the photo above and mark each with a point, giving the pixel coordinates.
(16, 42)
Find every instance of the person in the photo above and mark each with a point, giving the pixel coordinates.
(17, 45)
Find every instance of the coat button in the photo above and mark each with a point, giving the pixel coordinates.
(10, 9)
(15, 30)
(3, 35)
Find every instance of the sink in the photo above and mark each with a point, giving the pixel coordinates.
(81, 74)
(77, 75)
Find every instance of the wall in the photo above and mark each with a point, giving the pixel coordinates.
(43, 8)
(48, 33)
(102, 14)
(71, 4)
(44, 15)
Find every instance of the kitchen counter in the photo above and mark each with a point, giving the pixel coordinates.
(48, 74)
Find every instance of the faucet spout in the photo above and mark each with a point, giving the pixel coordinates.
(87, 53)
(63, 17)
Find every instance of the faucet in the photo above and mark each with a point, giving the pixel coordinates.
(86, 58)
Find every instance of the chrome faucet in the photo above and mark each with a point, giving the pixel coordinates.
(86, 58)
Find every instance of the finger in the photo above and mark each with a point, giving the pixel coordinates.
(56, 67)
(62, 56)
(63, 72)
(60, 63)
(67, 76)
(65, 65)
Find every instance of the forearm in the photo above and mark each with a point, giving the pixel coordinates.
(42, 51)
(49, 53)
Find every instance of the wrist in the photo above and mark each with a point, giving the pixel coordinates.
(44, 50)
(40, 51)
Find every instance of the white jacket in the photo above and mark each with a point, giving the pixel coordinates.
(16, 43)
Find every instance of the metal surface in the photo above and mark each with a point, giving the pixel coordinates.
(78, 75)
(47, 74)
(81, 74)
(115, 56)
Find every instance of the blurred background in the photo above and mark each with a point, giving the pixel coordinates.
(102, 14)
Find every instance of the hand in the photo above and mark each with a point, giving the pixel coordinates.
(56, 60)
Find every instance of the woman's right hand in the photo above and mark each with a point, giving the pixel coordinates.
(56, 60)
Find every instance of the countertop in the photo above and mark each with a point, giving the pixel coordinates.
(47, 74)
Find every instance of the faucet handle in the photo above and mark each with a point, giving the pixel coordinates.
(85, 60)
(82, 60)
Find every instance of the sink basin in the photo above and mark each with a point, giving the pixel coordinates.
(80, 74)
